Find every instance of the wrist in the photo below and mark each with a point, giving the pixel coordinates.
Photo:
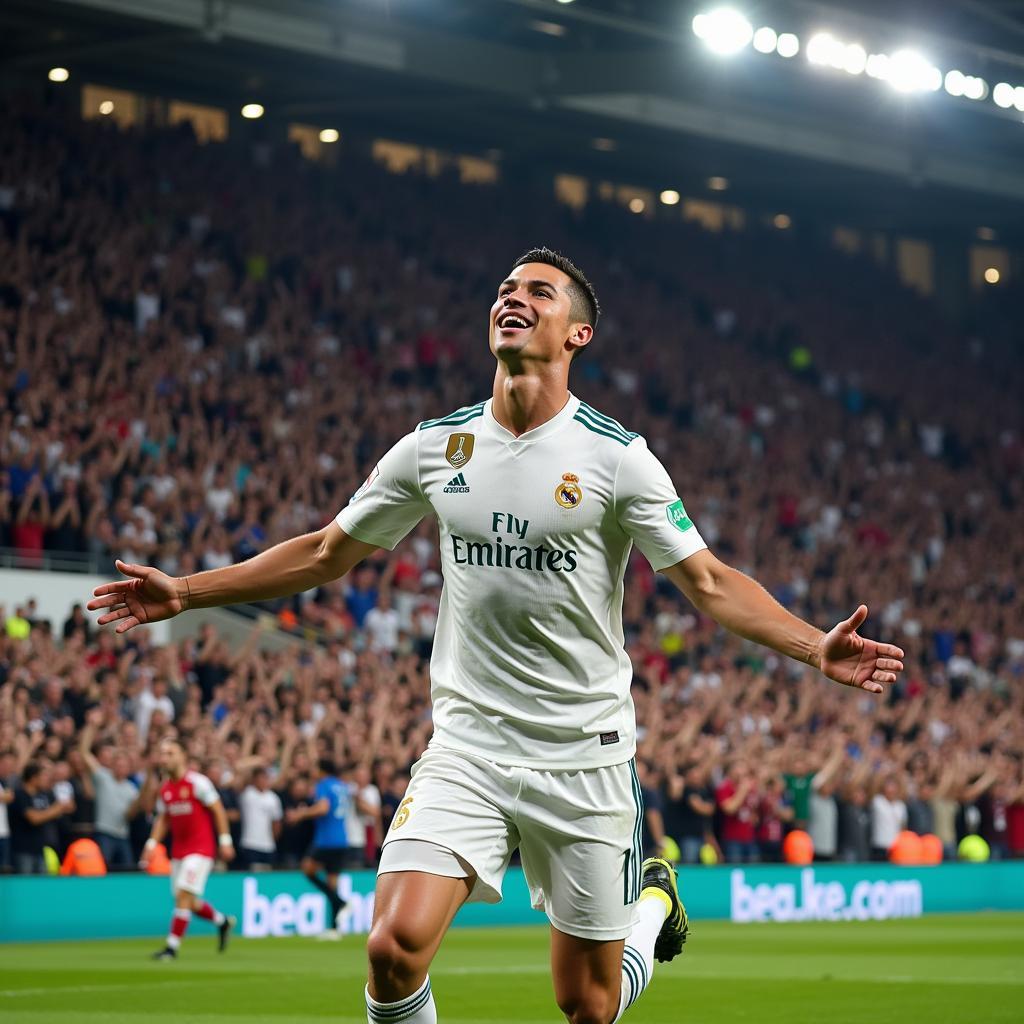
(814, 656)
(184, 592)
(224, 839)
(150, 844)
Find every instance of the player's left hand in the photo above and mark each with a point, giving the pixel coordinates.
(853, 660)
(226, 853)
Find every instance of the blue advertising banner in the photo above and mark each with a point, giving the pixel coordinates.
(283, 903)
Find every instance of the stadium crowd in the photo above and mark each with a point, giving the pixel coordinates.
(207, 347)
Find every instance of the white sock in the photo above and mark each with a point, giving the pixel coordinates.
(638, 955)
(415, 1009)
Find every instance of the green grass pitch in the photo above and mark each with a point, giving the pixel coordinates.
(931, 970)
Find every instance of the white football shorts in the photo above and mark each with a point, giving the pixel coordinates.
(190, 873)
(578, 834)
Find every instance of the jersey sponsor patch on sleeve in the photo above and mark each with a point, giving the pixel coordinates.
(677, 516)
(365, 485)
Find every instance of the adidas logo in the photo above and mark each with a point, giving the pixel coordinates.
(457, 485)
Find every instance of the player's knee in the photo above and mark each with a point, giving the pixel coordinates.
(395, 953)
(592, 1007)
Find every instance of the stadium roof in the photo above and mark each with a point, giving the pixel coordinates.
(540, 80)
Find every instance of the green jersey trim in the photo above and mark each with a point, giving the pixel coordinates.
(455, 419)
(590, 416)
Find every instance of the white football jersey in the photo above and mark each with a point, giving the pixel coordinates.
(528, 666)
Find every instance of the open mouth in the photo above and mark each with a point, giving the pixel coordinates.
(512, 323)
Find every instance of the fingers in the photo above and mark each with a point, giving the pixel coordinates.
(872, 687)
(131, 569)
(857, 617)
(112, 588)
(109, 601)
(130, 623)
(119, 612)
(883, 677)
(889, 651)
(889, 664)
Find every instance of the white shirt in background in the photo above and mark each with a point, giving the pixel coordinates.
(259, 812)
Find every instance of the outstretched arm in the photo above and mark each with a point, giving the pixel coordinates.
(149, 595)
(744, 607)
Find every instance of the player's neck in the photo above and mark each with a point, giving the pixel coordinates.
(524, 401)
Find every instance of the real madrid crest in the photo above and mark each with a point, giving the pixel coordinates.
(568, 493)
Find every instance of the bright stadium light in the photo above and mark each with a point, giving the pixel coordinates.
(788, 45)
(956, 83)
(976, 88)
(855, 59)
(878, 66)
(825, 50)
(636, 205)
(992, 275)
(1002, 95)
(251, 111)
(909, 71)
(107, 107)
(58, 74)
(669, 197)
(723, 31)
(766, 40)
(329, 135)
(782, 221)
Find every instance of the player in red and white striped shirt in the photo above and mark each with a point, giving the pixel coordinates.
(190, 809)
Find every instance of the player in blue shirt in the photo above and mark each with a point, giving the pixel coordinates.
(332, 798)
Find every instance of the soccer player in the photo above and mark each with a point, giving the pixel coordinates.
(539, 498)
(190, 809)
(330, 836)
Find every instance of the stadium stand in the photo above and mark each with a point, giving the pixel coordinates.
(207, 347)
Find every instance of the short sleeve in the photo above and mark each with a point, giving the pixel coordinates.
(277, 811)
(649, 510)
(205, 791)
(161, 807)
(390, 502)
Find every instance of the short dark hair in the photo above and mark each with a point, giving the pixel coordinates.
(326, 766)
(585, 308)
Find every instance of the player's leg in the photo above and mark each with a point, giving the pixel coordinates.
(412, 912)
(201, 908)
(581, 854)
(317, 861)
(587, 975)
(449, 843)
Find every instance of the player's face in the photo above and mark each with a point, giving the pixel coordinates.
(530, 317)
(172, 758)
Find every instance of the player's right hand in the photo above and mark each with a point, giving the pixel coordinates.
(148, 595)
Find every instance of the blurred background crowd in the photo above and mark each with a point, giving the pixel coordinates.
(204, 351)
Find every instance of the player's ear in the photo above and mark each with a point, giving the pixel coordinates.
(579, 337)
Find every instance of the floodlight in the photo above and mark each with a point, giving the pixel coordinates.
(107, 107)
(723, 31)
(765, 40)
(669, 197)
(825, 50)
(636, 205)
(329, 135)
(909, 71)
(975, 88)
(251, 111)
(788, 45)
(1002, 95)
(58, 74)
(855, 59)
(956, 83)
(992, 275)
